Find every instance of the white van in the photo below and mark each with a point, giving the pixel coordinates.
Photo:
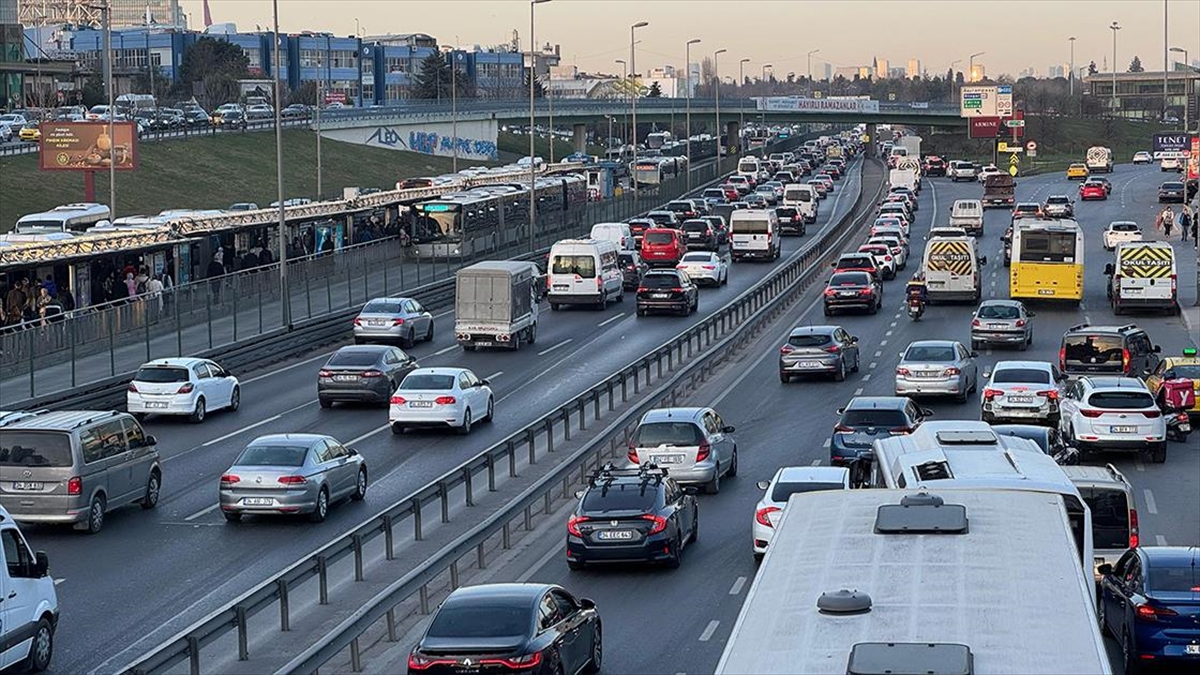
(750, 168)
(617, 233)
(803, 198)
(754, 233)
(1143, 277)
(584, 272)
(29, 613)
(951, 268)
(967, 214)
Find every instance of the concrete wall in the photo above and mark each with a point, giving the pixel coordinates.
(476, 140)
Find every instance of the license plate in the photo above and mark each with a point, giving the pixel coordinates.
(1185, 428)
(693, 235)
(667, 459)
(660, 296)
(420, 404)
(997, 325)
(847, 294)
(809, 364)
(1191, 649)
(561, 287)
(28, 485)
(609, 535)
(1019, 399)
(258, 501)
(1123, 430)
(1045, 291)
(376, 323)
(345, 378)
(925, 376)
(156, 404)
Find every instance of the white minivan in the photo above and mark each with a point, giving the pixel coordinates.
(750, 168)
(803, 198)
(584, 272)
(754, 233)
(618, 233)
(29, 613)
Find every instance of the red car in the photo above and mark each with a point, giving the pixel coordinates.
(1092, 190)
(857, 262)
(662, 247)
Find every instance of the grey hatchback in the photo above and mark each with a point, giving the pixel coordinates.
(812, 350)
(399, 319)
(292, 473)
(1002, 322)
(365, 374)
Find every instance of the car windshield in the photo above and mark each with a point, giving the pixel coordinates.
(659, 238)
(661, 281)
(459, 620)
(353, 358)
(428, 381)
(782, 491)
(1110, 517)
(999, 312)
(35, 448)
(272, 455)
(161, 375)
(582, 265)
(810, 340)
(1189, 371)
(381, 307)
(697, 257)
(868, 417)
(653, 434)
(1117, 400)
(929, 353)
(1174, 579)
(1093, 349)
(1020, 376)
(620, 497)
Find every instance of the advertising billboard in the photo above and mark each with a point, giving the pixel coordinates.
(1193, 165)
(86, 146)
(1173, 144)
(787, 103)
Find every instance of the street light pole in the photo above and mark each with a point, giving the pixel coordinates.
(624, 110)
(284, 293)
(1166, 59)
(532, 121)
(687, 124)
(1113, 101)
(717, 92)
(1071, 74)
(954, 81)
(1187, 129)
(766, 66)
(810, 55)
(971, 68)
(634, 95)
(741, 104)
(112, 111)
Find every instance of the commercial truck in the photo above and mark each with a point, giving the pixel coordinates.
(1099, 159)
(495, 304)
(999, 189)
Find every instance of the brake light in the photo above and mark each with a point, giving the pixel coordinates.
(357, 321)
(1020, 323)
(660, 523)
(292, 480)
(703, 451)
(1062, 358)
(230, 479)
(573, 525)
(642, 289)
(1152, 613)
(829, 292)
(900, 431)
(833, 349)
(1125, 360)
(132, 388)
(75, 485)
(710, 267)
(516, 662)
(1173, 282)
(1152, 414)
(416, 662)
(1051, 394)
(186, 389)
(903, 371)
(1091, 414)
(887, 258)
(1133, 528)
(599, 283)
(950, 371)
(990, 393)
(445, 400)
(397, 322)
(397, 400)
(324, 373)
(867, 292)
(760, 516)
(371, 373)
(842, 428)
(786, 349)
(632, 455)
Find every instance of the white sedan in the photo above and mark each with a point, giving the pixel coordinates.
(440, 397)
(182, 386)
(895, 245)
(1119, 232)
(1142, 157)
(788, 481)
(705, 266)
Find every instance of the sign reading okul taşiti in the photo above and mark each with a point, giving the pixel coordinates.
(788, 103)
(87, 146)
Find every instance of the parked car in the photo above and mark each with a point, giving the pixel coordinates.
(362, 374)
(182, 386)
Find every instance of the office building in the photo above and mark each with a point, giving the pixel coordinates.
(8, 12)
(881, 68)
(914, 68)
(828, 71)
(1140, 95)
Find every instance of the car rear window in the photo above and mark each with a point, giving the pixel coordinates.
(35, 448)
(1110, 516)
(1057, 200)
(874, 418)
(654, 434)
(697, 257)
(582, 265)
(849, 279)
(1172, 186)
(696, 226)
(620, 497)
(353, 358)
(786, 212)
(1093, 349)
(809, 340)
(381, 307)
(272, 455)
(856, 261)
(488, 620)
(928, 353)
(659, 238)
(1021, 376)
(660, 281)
(422, 381)
(1123, 227)
(1117, 400)
(782, 491)
(161, 375)
(1172, 579)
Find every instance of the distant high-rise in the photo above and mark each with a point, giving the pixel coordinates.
(828, 71)
(84, 13)
(881, 68)
(8, 11)
(914, 68)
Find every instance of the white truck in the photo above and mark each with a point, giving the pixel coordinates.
(1099, 159)
(754, 233)
(804, 198)
(908, 178)
(1143, 277)
(495, 305)
(912, 144)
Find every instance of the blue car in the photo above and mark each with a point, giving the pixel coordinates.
(867, 419)
(1150, 602)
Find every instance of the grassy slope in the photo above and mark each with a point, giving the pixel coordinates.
(213, 172)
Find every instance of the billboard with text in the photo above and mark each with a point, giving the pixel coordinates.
(788, 103)
(87, 146)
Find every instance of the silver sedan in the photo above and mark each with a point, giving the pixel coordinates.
(1002, 322)
(292, 473)
(402, 320)
(937, 368)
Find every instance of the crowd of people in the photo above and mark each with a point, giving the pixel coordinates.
(37, 301)
(1187, 222)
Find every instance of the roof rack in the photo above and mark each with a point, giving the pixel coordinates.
(9, 416)
(605, 475)
(1128, 326)
(97, 418)
(1080, 326)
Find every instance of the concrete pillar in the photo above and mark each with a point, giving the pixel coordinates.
(873, 143)
(580, 137)
(733, 131)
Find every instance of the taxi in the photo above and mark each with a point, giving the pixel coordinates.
(31, 132)
(1187, 366)
(1077, 171)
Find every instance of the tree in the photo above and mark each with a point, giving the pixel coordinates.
(539, 89)
(93, 90)
(655, 91)
(154, 82)
(1092, 70)
(208, 57)
(433, 77)
(218, 89)
(1135, 66)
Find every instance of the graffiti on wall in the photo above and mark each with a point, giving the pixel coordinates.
(433, 143)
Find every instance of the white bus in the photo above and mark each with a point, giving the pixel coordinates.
(66, 218)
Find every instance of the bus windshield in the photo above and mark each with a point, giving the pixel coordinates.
(437, 221)
(1054, 247)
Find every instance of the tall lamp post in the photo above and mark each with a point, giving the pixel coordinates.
(954, 80)
(765, 68)
(717, 92)
(1166, 59)
(635, 92)
(971, 67)
(1186, 98)
(1071, 74)
(687, 123)
(454, 105)
(810, 55)
(532, 121)
(284, 293)
(741, 104)
(108, 85)
(1113, 100)
(624, 110)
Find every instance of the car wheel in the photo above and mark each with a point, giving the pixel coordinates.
(621, 295)
(695, 534)
(358, 341)
(1158, 453)
(713, 486)
(153, 489)
(732, 471)
(840, 375)
(1024, 346)
(325, 403)
(491, 410)
(139, 416)
(232, 516)
(854, 368)
(41, 649)
(531, 337)
(961, 397)
(574, 565)
(828, 311)
(198, 412)
(411, 340)
(429, 332)
(784, 377)
(360, 486)
(596, 660)
(873, 309)
(676, 556)
(465, 428)
(322, 507)
(1102, 618)
(1129, 655)
(554, 307)
(397, 429)
(95, 521)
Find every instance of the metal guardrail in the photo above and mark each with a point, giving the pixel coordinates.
(723, 327)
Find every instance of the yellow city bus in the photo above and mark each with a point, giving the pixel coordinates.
(1047, 260)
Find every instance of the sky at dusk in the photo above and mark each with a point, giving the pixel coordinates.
(1013, 34)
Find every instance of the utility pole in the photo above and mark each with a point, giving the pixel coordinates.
(1166, 59)
(454, 105)
(634, 95)
(741, 105)
(717, 91)
(532, 121)
(687, 124)
(1071, 74)
(1113, 101)
(112, 111)
(285, 297)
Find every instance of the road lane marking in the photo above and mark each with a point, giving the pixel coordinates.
(564, 343)
(858, 392)
(201, 512)
(879, 353)
(1139, 466)
(611, 319)
(353, 441)
(866, 377)
(709, 630)
(825, 444)
(1151, 505)
(285, 368)
(893, 324)
(816, 462)
(58, 581)
(446, 350)
(537, 566)
(494, 375)
(244, 429)
(883, 343)
(737, 585)
(873, 365)
(1158, 539)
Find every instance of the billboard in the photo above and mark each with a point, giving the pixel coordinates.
(1171, 145)
(86, 146)
(979, 102)
(1193, 165)
(788, 103)
(994, 127)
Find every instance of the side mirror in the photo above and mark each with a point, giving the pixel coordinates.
(587, 603)
(41, 564)
(987, 373)
(352, 452)
(1109, 269)
(974, 354)
(927, 412)
(579, 494)
(483, 383)
(151, 440)
(1105, 569)
(690, 490)
(853, 339)
(840, 411)
(763, 484)
(1157, 349)
(728, 429)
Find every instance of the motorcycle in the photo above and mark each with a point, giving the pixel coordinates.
(1178, 426)
(916, 307)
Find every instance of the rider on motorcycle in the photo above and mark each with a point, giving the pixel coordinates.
(916, 290)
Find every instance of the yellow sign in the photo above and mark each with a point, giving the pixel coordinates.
(816, 94)
(891, 97)
(1012, 170)
(1002, 146)
(1014, 160)
(866, 138)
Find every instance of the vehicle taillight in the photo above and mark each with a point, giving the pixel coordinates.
(1152, 414)
(950, 371)
(833, 349)
(416, 662)
(599, 283)
(1091, 414)
(676, 290)
(703, 451)
(292, 480)
(1125, 360)
(573, 525)
(843, 428)
(867, 291)
(324, 373)
(132, 388)
(990, 393)
(1152, 613)
(632, 455)
(760, 516)
(642, 289)
(445, 400)
(1051, 394)
(786, 349)
(903, 371)
(1133, 529)
(1020, 323)
(710, 267)
(1062, 358)
(397, 400)
(371, 373)
(829, 292)
(1173, 282)
(516, 662)
(660, 523)
(186, 389)
(357, 321)
(900, 431)
(75, 485)
(230, 479)
(398, 322)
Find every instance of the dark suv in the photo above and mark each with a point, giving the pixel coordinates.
(671, 290)
(627, 515)
(1107, 350)
(867, 419)
(791, 221)
(700, 235)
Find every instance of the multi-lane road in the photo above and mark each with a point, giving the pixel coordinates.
(677, 621)
(151, 574)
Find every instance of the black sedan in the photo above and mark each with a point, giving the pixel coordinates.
(1171, 191)
(670, 290)
(538, 629)
(853, 290)
(362, 374)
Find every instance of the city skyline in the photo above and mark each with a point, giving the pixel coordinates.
(894, 30)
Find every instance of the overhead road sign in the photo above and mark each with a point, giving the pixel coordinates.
(980, 102)
(798, 104)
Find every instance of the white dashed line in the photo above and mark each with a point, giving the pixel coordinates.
(561, 344)
(889, 334)
(738, 584)
(286, 368)
(858, 392)
(244, 429)
(203, 511)
(873, 365)
(883, 343)
(1151, 505)
(367, 435)
(611, 319)
(893, 324)
(58, 581)
(1158, 539)
(709, 630)
(825, 444)
(446, 350)
(866, 377)
(494, 375)
(1139, 466)
(879, 353)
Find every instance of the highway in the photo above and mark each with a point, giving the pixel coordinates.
(677, 621)
(173, 565)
